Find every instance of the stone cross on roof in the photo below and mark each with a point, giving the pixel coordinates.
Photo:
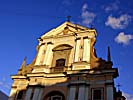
(68, 18)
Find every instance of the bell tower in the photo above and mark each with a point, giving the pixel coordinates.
(65, 68)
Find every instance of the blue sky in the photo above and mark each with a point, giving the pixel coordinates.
(23, 21)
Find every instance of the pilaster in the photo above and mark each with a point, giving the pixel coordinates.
(81, 93)
(40, 55)
(77, 50)
(28, 94)
(86, 51)
(49, 54)
(110, 93)
(71, 93)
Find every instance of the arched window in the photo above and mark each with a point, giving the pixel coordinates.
(60, 62)
(55, 95)
(61, 55)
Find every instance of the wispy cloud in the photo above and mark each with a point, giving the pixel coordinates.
(118, 23)
(128, 96)
(87, 16)
(4, 85)
(112, 7)
(122, 38)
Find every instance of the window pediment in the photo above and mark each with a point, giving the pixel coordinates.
(62, 47)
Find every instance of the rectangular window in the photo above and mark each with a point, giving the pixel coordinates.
(97, 94)
(60, 62)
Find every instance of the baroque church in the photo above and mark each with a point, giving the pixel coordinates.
(66, 67)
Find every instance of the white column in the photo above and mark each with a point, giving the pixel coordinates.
(36, 93)
(86, 51)
(48, 55)
(71, 57)
(40, 94)
(71, 93)
(28, 94)
(109, 92)
(12, 94)
(40, 54)
(77, 49)
(81, 93)
(86, 93)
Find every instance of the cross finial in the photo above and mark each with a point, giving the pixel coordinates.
(118, 85)
(92, 26)
(68, 18)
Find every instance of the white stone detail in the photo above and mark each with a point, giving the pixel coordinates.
(48, 55)
(36, 94)
(81, 95)
(36, 70)
(40, 94)
(71, 95)
(28, 94)
(86, 93)
(77, 50)
(39, 56)
(109, 93)
(86, 52)
(12, 94)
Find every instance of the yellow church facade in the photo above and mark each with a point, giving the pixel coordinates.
(66, 68)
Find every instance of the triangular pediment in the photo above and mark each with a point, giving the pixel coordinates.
(67, 28)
